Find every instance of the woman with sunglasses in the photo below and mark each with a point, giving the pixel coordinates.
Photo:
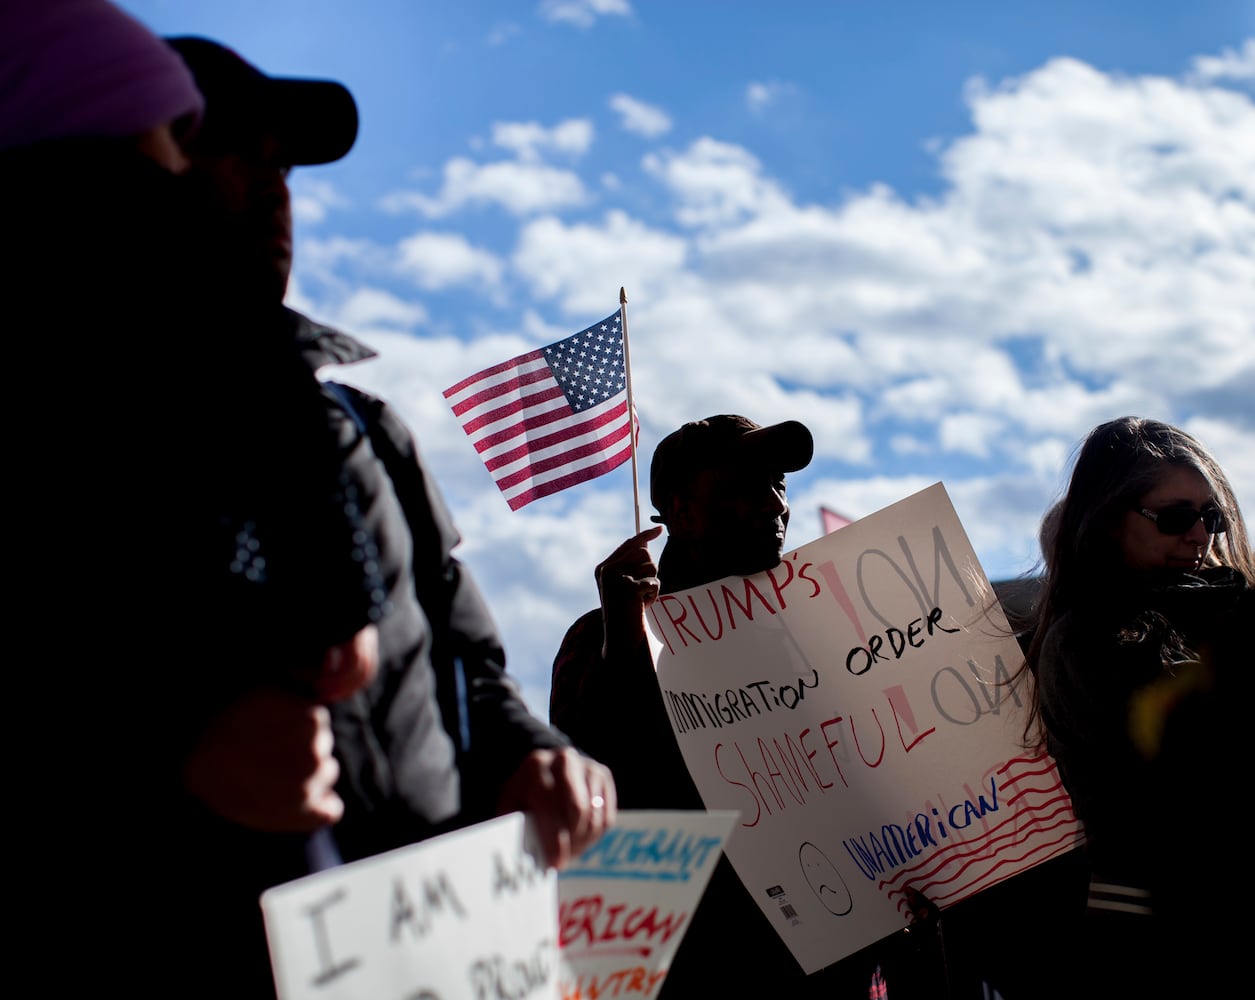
(1141, 665)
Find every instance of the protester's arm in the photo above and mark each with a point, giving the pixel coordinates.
(604, 658)
(265, 760)
(604, 690)
(508, 758)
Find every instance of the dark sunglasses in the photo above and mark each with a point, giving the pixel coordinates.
(1179, 520)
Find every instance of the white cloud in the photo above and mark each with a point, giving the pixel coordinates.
(585, 265)
(908, 444)
(519, 188)
(528, 140)
(968, 433)
(1048, 457)
(1106, 222)
(312, 199)
(1096, 215)
(522, 186)
(715, 183)
(759, 96)
(1090, 253)
(853, 498)
(1229, 65)
(329, 268)
(371, 308)
(639, 117)
(583, 13)
(1231, 445)
(442, 260)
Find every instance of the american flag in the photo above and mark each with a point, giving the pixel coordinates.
(550, 418)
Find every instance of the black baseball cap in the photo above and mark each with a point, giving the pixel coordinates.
(724, 439)
(315, 121)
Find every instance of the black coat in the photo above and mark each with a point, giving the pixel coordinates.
(187, 523)
(1120, 681)
(427, 746)
(1146, 698)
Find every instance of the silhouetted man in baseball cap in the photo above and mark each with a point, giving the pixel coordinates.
(718, 485)
(254, 130)
(412, 760)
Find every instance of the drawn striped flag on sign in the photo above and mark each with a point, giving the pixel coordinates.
(550, 418)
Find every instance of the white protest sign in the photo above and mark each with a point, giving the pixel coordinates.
(855, 704)
(465, 915)
(625, 904)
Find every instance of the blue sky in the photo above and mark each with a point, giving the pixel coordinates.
(950, 237)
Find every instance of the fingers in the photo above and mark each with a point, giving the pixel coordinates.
(347, 668)
(637, 544)
(646, 589)
(570, 797)
(320, 803)
(630, 562)
(627, 583)
(266, 762)
(596, 802)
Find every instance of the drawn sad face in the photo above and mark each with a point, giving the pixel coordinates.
(824, 879)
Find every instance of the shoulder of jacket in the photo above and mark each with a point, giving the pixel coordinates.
(324, 345)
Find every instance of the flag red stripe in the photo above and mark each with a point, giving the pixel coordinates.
(501, 389)
(453, 390)
(564, 458)
(565, 434)
(515, 406)
(579, 476)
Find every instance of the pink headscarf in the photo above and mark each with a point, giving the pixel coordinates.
(84, 68)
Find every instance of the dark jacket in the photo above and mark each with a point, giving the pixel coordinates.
(428, 745)
(436, 614)
(1112, 676)
(184, 533)
(192, 517)
(1146, 698)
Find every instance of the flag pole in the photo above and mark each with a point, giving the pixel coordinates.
(627, 368)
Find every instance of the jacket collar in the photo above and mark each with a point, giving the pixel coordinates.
(323, 345)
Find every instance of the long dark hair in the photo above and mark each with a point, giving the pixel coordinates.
(1119, 462)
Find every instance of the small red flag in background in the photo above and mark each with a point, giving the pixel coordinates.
(550, 418)
(831, 520)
